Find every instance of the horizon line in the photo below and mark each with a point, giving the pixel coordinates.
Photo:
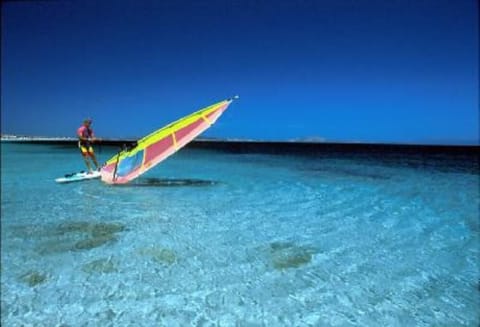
(30, 138)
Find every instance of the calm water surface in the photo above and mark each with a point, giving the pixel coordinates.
(215, 239)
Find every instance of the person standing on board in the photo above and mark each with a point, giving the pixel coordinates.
(85, 140)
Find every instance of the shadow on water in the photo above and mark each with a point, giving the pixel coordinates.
(169, 182)
(348, 173)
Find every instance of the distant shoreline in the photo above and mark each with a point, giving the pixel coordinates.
(276, 147)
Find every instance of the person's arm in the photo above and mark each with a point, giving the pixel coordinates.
(92, 136)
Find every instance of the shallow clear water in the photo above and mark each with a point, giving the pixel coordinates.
(215, 239)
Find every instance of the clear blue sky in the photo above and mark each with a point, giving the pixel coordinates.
(403, 71)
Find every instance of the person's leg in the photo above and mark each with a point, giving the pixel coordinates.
(94, 159)
(84, 152)
(85, 158)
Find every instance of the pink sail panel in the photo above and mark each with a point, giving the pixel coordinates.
(155, 150)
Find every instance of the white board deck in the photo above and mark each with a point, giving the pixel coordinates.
(77, 177)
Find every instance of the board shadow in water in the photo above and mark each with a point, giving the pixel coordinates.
(169, 182)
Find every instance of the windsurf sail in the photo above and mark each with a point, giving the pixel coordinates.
(152, 149)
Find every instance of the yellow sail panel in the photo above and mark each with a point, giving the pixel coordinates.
(159, 145)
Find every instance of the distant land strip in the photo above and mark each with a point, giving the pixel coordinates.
(276, 147)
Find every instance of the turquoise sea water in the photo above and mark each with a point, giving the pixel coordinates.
(222, 239)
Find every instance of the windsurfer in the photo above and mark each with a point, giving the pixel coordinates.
(85, 140)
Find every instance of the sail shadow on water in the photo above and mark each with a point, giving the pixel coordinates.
(169, 182)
